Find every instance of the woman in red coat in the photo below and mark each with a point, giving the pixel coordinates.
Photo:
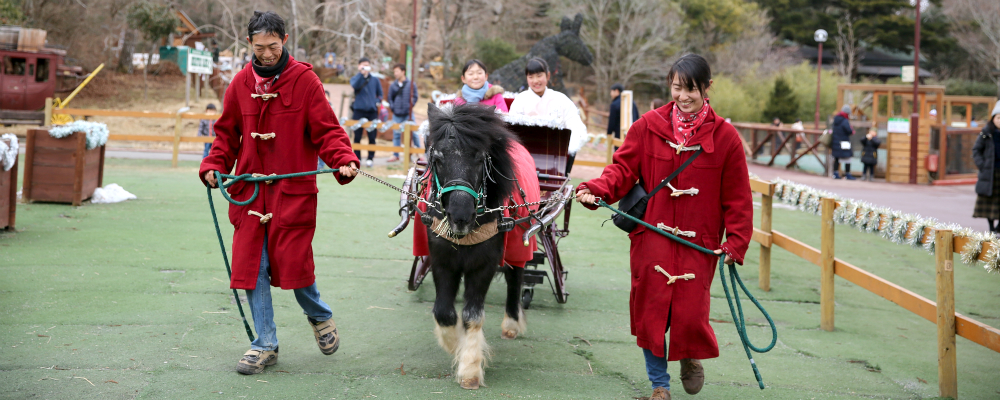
(709, 200)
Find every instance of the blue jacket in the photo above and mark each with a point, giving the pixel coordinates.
(615, 116)
(400, 99)
(367, 92)
(842, 132)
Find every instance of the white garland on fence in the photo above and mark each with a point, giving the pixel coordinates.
(97, 133)
(894, 225)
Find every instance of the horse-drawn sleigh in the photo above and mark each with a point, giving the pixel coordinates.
(491, 184)
(547, 140)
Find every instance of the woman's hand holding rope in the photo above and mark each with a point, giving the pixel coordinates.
(584, 196)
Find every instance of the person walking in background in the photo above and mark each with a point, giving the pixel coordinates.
(841, 143)
(985, 155)
(206, 127)
(869, 155)
(798, 127)
(720, 209)
(402, 97)
(615, 112)
(476, 88)
(367, 96)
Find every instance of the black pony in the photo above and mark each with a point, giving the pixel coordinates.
(470, 170)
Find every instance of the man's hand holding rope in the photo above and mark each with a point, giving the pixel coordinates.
(584, 196)
(347, 171)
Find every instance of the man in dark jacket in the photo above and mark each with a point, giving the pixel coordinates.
(402, 97)
(614, 115)
(367, 96)
(841, 143)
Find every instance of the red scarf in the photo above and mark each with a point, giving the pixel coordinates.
(686, 124)
(262, 84)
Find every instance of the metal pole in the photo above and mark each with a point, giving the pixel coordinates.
(819, 74)
(915, 115)
(187, 90)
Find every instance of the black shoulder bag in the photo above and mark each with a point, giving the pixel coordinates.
(634, 203)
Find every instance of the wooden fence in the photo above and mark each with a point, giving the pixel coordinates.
(178, 138)
(941, 311)
(781, 139)
(180, 116)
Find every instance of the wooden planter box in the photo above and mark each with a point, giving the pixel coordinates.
(8, 197)
(61, 170)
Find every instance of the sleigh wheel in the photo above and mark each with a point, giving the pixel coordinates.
(421, 266)
(558, 277)
(526, 297)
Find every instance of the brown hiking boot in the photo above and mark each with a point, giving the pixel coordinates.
(692, 375)
(254, 361)
(326, 335)
(660, 394)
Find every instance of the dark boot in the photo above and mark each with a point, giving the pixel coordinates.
(692, 375)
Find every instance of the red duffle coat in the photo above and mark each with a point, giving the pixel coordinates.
(722, 206)
(515, 252)
(303, 126)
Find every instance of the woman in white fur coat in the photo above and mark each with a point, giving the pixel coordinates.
(542, 101)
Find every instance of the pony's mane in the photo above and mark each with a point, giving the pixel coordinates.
(477, 127)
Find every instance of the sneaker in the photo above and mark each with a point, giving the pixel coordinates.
(393, 159)
(850, 177)
(836, 174)
(660, 394)
(692, 375)
(326, 335)
(254, 361)
(368, 163)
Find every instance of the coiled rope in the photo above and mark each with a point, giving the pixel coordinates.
(256, 180)
(734, 278)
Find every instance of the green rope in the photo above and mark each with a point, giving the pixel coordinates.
(256, 189)
(734, 278)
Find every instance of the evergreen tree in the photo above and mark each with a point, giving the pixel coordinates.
(783, 103)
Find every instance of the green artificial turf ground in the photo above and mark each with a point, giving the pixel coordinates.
(131, 300)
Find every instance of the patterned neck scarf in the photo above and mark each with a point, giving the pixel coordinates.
(686, 124)
(261, 84)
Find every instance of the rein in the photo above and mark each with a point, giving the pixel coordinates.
(734, 277)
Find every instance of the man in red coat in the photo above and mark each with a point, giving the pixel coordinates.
(276, 120)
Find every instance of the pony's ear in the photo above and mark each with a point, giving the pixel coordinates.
(433, 112)
(566, 24)
(577, 22)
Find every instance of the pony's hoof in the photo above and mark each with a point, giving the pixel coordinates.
(470, 383)
(509, 334)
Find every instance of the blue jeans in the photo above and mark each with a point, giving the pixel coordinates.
(656, 369)
(259, 300)
(397, 135)
(208, 146)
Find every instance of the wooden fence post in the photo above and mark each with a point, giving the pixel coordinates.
(826, 305)
(947, 363)
(611, 148)
(406, 146)
(766, 206)
(177, 139)
(48, 112)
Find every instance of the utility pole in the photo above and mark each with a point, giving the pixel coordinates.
(820, 37)
(915, 115)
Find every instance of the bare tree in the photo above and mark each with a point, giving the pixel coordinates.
(753, 50)
(848, 47)
(976, 24)
(631, 39)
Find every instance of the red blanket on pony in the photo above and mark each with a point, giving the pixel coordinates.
(515, 252)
